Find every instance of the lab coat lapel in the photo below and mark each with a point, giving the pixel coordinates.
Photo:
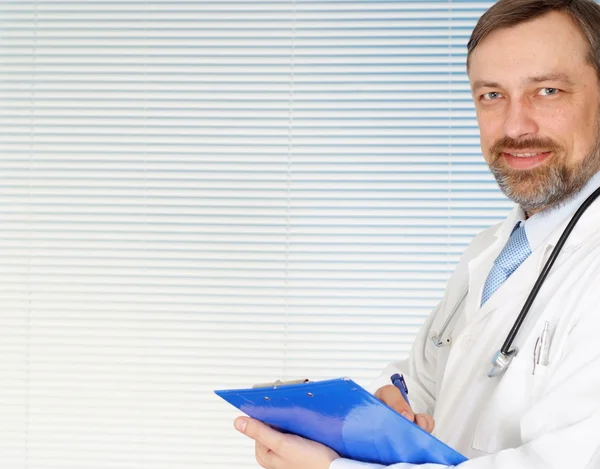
(517, 285)
(479, 267)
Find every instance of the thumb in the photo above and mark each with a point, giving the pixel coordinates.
(391, 396)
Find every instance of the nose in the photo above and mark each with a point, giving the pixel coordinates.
(519, 121)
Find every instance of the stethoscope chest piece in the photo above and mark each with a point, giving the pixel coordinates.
(501, 362)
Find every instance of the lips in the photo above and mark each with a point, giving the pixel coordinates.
(525, 159)
(524, 155)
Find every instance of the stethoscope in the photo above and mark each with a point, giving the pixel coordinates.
(502, 359)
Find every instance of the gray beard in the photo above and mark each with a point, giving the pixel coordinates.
(555, 189)
(552, 188)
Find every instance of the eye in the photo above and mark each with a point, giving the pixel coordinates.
(490, 96)
(548, 91)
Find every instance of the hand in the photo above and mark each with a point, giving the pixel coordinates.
(276, 450)
(391, 396)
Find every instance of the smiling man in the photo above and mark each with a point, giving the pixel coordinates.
(534, 68)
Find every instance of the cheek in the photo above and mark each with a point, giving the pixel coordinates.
(490, 128)
(582, 145)
(485, 150)
(574, 129)
(585, 137)
(562, 130)
(487, 137)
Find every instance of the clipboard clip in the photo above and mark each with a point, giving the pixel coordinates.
(278, 382)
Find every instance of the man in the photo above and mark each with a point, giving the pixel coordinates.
(534, 69)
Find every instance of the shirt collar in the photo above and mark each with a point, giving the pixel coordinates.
(541, 225)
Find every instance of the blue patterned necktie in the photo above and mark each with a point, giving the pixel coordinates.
(512, 256)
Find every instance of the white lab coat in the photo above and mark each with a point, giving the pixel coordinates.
(520, 420)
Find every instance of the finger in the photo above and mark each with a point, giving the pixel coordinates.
(425, 421)
(431, 422)
(392, 397)
(260, 453)
(265, 457)
(260, 432)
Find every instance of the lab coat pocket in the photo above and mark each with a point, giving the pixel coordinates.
(498, 426)
(540, 375)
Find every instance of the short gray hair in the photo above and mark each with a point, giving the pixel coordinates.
(507, 13)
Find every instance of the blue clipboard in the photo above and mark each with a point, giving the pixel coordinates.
(347, 418)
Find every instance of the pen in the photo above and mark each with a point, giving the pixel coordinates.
(543, 356)
(536, 354)
(398, 381)
(540, 349)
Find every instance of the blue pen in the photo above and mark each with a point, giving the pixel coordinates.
(398, 381)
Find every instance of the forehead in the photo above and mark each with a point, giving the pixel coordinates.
(550, 44)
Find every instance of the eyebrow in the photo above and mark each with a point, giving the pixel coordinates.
(562, 77)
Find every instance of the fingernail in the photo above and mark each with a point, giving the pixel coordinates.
(241, 424)
(405, 414)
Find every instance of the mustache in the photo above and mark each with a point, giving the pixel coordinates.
(522, 144)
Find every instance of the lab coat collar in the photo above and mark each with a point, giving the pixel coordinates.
(480, 265)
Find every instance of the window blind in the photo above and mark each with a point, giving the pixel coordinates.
(205, 194)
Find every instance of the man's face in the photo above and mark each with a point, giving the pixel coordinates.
(537, 100)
